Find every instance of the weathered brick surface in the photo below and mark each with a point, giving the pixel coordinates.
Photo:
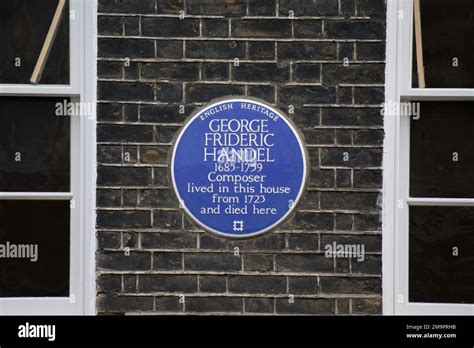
(320, 61)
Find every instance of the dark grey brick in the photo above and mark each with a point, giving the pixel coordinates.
(167, 219)
(306, 72)
(309, 8)
(369, 95)
(304, 263)
(169, 92)
(216, 7)
(307, 50)
(366, 306)
(262, 7)
(308, 28)
(126, 48)
(130, 240)
(212, 262)
(258, 305)
(109, 112)
(370, 50)
(350, 285)
(307, 94)
(215, 27)
(161, 113)
(303, 285)
(131, 26)
(344, 222)
(348, 8)
(312, 221)
(169, 240)
(129, 283)
(123, 219)
(319, 136)
(170, 6)
(264, 28)
(119, 261)
(212, 284)
(343, 178)
(215, 49)
(160, 177)
(168, 304)
(215, 71)
(169, 49)
(167, 283)
(367, 222)
(126, 6)
(109, 283)
(154, 154)
(109, 240)
(108, 198)
(124, 304)
(344, 137)
(371, 8)
(257, 284)
(267, 93)
(372, 264)
(157, 198)
(360, 29)
(214, 304)
(368, 137)
(109, 154)
(165, 134)
(167, 261)
(170, 71)
(124, 133)
(209, 242)
(306, 117)
(129, 91)
(108, 25)
(351, 117)
(360, 201)
(170, 27)
(346, 51)
(258, 263)
(357, 157)
(257, 72)
(203, 92)
(305, 306)
(322, 178)
(303, 241)
(353, 74)
(264, 50)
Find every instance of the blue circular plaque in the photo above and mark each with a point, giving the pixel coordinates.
(238, 167)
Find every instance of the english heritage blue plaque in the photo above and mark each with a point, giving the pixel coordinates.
(238, 167)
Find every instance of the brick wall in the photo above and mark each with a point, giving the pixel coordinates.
(320, 61)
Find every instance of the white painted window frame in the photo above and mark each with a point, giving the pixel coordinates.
(83, 77)
(396, 167)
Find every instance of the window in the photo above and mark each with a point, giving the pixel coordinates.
(432, 154)
(45, 157)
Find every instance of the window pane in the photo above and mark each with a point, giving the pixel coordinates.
(24, 226)
(441, 150)
(448, 47)
(34, 145)
(24, 25)
(441, 254)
